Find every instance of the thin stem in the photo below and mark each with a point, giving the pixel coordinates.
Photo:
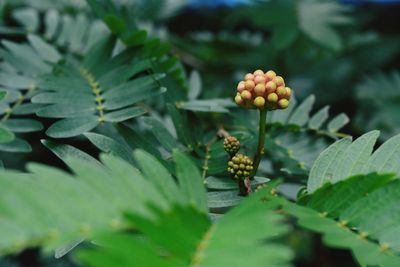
(261, 141)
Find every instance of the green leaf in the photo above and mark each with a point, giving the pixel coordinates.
(3, 94)
(209, 105)
(338, 122)
(23, 125)
(195, 85)
(180, 231)
(356, 156)
(72, 127)
(51, 21)
(155, 172)
(109, 145)
(302, 113)
(166, 139)
(223, 199)
(15, 81)
(319, 118)
(324, 167)
(17, 145)
(317, 19)
(28, 17)
(358, 213)
(99, 54)
(66, 151)
(135, 140)
(115, 24)
(124, 114)
(190, 181)
(335, 198)
(385, 159)
(284, 35)
(6, 135)
(181, 125)
(224, 183)
(121, 74)
(45, 50)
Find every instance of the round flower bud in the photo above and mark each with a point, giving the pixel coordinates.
(258, 72)
(270, 87)
(241, 86)
(246, 95)
(245, 166)
(283, 103)
(259, 79)
(249, 85)
(231, 146)
(238, 99)
(281, 91)
(259, 90)
(288, 93)
(270, 75)
(259, 102)
(279, 81)
(273, 98)
(249, 76)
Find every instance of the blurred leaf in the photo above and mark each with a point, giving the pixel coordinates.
(195, 85)
(318, 18)
(5, 135)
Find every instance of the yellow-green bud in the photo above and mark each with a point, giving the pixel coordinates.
(281, 91)
(246, 95)
(270, 75)
(283, 103)
(279, 81)
(242, 170)
(259, 90)
(273, 98)
(238, 99)
(232, 146)
(259, 102)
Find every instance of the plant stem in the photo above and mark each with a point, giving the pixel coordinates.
(261, 141)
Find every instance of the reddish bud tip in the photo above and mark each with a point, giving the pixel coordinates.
(241, 86)
(270, 87)
(288, 93)
(249, 76)
(259, 79)
(279, 81)
(249, 85)
(269, 75)
(258, 72)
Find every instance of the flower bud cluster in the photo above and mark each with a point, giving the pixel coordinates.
(240, 166)
(263, 90)
(231, 145)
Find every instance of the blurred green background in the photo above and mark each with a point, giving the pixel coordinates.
(345, 53)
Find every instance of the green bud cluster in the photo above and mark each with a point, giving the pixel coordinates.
(231, 145)
(263, 90)
(240, 167)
